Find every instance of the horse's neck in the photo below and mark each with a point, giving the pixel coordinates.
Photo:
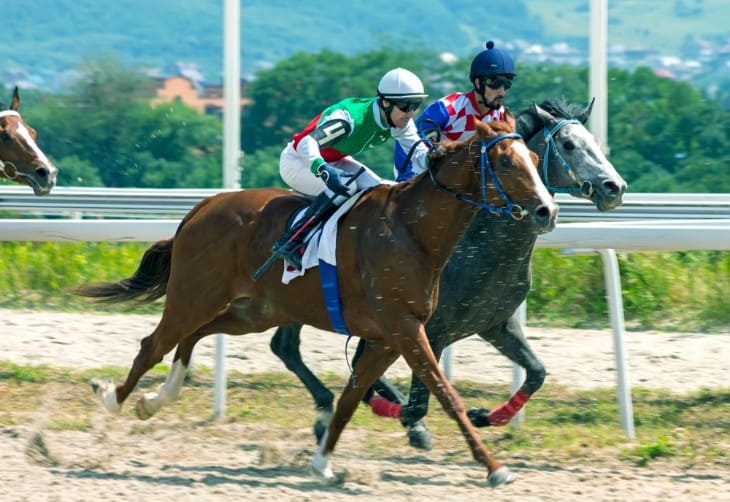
(536, 144)
(501, 237)
(435, 218)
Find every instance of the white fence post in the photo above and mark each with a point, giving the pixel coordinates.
(616, 315)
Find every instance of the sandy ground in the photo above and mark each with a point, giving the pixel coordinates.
(225, 461)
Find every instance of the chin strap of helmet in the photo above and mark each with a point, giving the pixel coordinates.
(387, 110)
(481, 89)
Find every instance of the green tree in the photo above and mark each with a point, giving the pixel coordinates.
(289, 95)
(108, 126)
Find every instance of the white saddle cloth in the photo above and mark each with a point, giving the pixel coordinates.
(321, 244)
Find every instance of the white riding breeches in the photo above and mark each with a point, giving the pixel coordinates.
(295, 171)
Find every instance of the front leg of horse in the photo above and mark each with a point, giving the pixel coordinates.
(416, 409)
(374, 361)
(420, 358)
(510, 340)
(391, 403)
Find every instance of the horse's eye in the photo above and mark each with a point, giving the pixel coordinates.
(569, 145)
(5, 137)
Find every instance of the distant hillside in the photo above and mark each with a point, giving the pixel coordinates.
(41, 38)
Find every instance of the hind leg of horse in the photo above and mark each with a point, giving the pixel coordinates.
(152, 349)
(510, 340)
(374, 360)
(285, 344)
(419, 356)
(169, 391)
(233, 320)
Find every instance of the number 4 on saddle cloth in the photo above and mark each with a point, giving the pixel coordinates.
(320, 250)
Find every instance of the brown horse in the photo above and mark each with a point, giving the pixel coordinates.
(391, 248)
(20, 158)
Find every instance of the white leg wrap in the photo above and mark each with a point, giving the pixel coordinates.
(321, 461)
(151, 402)
(107, 392)
(170, 390)
(321, 465)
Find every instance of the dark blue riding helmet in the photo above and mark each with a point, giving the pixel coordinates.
(491, 62)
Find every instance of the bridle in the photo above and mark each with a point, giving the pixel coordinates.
(7, 168)
(514, 210)
(550, 145)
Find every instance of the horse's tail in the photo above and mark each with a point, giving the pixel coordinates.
(147, 284)
(149, 281)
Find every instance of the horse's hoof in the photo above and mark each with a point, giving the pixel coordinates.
(501, 476)
(106, 392)
(419, 436)
(141, 410)
(479, 417)
(321, 466)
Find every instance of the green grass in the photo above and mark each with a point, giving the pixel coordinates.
(687, 291)
(690, 428)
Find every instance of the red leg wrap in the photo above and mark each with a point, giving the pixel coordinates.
(384, 408)
(504, 413)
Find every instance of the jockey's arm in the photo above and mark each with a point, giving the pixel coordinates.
(433, 118)
(333, 129)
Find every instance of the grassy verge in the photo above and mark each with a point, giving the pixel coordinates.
(691, 428)
(685, 291)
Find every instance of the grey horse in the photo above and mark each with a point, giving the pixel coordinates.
(483, 285)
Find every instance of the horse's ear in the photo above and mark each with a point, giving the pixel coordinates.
(583, 116)
(526, 121)
(545, 117)
(509, 118)
(15, 103)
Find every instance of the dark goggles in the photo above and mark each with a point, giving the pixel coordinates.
(406, 106)
(497, 82)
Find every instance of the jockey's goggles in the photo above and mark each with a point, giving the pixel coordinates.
(406, 106)
(497, 82)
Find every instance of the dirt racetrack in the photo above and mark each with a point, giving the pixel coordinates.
(184, 460)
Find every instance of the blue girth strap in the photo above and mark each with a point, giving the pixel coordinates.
(331, 289)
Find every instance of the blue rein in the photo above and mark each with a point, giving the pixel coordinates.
(514, 210)
(550, 145)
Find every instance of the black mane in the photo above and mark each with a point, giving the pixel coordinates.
(528, 123)
(560, 108)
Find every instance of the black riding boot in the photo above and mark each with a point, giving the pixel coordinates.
(290, 248)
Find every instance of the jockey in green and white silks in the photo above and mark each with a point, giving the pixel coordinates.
(319, 160)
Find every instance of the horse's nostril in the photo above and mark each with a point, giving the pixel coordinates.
(42, 172)
(612, 188)
(587, 188)
(543, 212)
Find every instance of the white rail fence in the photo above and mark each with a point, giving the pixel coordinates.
(144, 203)
(646, 222)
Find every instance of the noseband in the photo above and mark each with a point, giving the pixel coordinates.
(514, 210)
(7, 168)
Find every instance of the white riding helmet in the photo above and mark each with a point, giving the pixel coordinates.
(400, 83)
